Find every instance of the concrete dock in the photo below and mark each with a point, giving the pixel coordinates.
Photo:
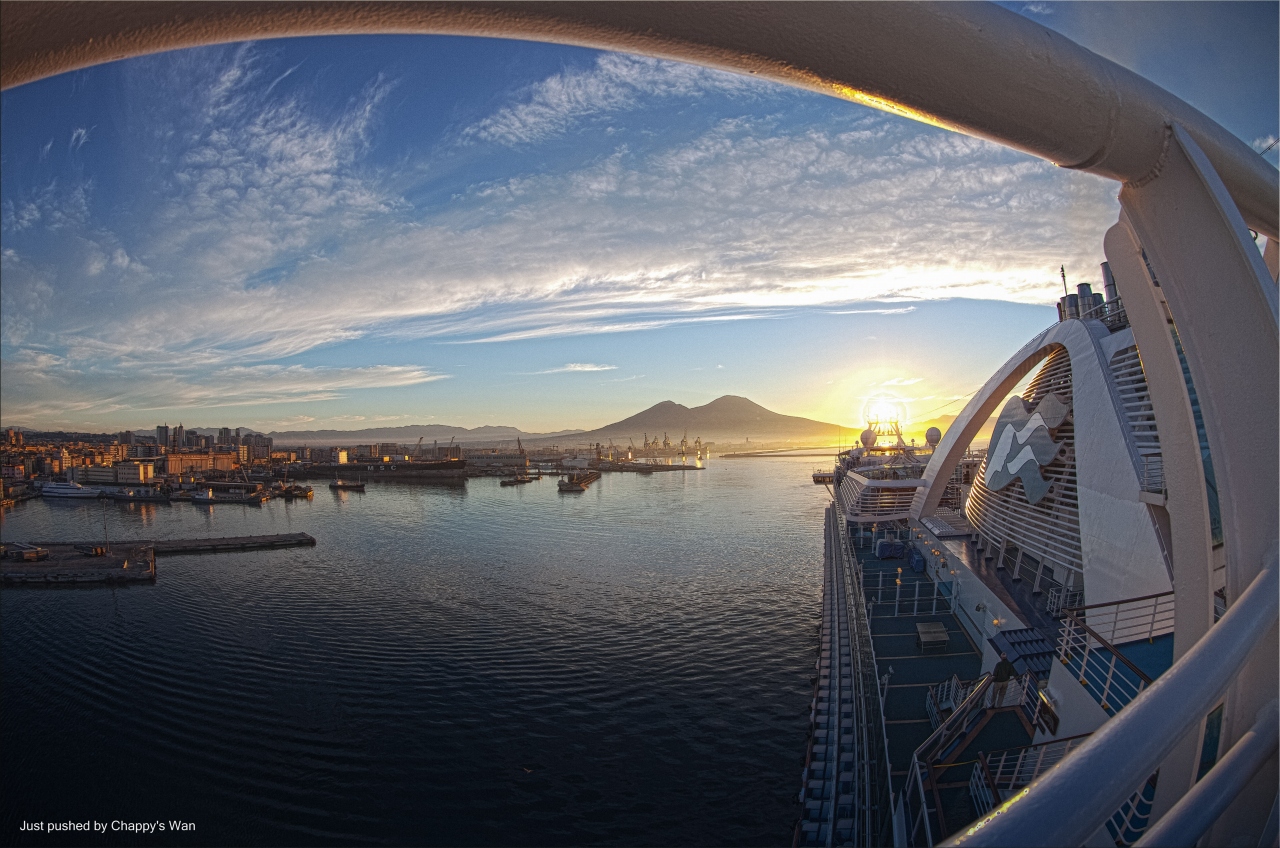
(65, 564)
(47, 563)
(231, 544)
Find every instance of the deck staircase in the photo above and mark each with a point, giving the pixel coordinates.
(998, 775)
(960, 711)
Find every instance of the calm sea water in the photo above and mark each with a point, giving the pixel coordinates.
(460, 666)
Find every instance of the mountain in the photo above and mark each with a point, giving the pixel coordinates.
(729, 418)
(408, 435)
(726, 419)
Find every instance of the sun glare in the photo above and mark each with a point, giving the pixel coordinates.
(883, 409)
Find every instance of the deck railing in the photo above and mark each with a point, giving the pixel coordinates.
(1111, 313)
(870, 813)
(1129, 620)
(1013, 768)
(1152, 473)
(1124, 753)
(1057, 600)
(1111, 677)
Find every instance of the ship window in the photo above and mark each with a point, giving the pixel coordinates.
(1212, 736)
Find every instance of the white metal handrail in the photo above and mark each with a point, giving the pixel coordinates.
(1152, 477)
(1131, 619)
(1197, 811)
(1111, 677)
(1102, 773)
(1014, 768)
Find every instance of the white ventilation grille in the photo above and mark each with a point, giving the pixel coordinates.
(1135, 400)
(1049, 531)
(865, 501)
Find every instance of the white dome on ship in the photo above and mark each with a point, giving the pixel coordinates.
(933, 435)
(868, 437)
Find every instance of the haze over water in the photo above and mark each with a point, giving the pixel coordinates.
(475, 666)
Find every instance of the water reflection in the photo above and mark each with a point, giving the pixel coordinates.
(448, 666)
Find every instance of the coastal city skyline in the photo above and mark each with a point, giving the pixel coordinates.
(357, 232)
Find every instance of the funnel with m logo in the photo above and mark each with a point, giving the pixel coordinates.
(1021, 444)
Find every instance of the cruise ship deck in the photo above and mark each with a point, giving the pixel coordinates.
(901, 706)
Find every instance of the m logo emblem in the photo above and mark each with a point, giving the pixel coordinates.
(1022, 444)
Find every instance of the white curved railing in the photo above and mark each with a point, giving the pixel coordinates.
(1196, 811)
(1127, 749)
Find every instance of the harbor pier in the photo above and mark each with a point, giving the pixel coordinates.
(53, 563)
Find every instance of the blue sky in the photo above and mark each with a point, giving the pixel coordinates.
(369, 231)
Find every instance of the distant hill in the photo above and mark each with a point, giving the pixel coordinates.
(728, 418)
(408, 435)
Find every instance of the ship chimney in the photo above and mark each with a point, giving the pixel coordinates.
(1109, 283)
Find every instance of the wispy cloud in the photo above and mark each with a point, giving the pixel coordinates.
(578, 367)
(615, 82)
(79, 137)
(903, 381)
(265, 231)
(42, 385)
(898, 311)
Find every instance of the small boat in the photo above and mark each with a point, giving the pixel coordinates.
(139, 496)
(68, 490)
(342, 486)
(516, 481)
(208, 498)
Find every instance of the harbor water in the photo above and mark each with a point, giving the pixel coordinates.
(452, 665)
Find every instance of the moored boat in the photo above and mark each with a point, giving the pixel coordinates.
(516, 481)
(343, 486)
(69, 490)
(139, 496)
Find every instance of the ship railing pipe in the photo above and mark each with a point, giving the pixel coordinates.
(1100, 775)
(1197, 811)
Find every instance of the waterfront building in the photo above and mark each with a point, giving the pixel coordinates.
(492, 458)
(134, 472)
(189, 463)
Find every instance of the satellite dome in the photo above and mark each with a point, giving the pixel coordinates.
(868, 437)
(933, 435)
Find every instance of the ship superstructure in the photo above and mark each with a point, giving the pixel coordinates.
(1049, 549)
